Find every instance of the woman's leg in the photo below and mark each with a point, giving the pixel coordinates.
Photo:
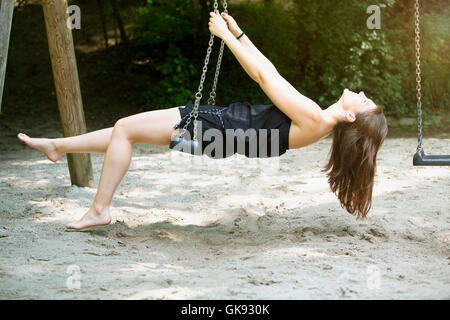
(54, 149)
(92, 142)
(154, 127)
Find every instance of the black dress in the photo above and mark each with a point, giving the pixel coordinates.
(251, 130)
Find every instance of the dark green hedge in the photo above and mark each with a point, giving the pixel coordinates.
(319, 46)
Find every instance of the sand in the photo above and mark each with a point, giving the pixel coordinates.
(187, 227)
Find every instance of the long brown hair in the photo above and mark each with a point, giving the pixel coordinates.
(352, 164)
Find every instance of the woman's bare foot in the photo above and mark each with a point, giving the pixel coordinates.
(91, 218)
(47, 146)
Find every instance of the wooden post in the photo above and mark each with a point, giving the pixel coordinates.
(65, 74)
(6, 16)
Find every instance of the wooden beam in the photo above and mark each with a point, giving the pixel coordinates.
(68, 93)
(6, 16)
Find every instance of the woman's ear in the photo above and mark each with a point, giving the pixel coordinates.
(350, 116)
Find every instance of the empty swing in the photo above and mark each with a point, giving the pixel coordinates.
(180, 142)
(420, 159)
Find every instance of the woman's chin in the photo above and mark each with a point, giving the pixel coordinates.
(343, 97)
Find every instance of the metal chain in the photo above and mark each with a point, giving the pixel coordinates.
(198, 95)
(418, 77)
(212, 95)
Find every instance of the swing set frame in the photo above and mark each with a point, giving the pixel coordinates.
(420, 158)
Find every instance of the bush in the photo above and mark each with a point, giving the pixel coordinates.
(163, 21)
(177, 73)
(319, 46)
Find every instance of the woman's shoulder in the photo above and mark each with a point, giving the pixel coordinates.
(302, 136)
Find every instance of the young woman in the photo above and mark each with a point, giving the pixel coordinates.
(356, 122)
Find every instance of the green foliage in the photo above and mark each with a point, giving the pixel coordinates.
(162, 21)
(272, 31)
(337, 51)
(174, 88)
(110, 70)
(320, 47)
(436, 59)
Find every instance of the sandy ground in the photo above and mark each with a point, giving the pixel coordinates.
(187, 227)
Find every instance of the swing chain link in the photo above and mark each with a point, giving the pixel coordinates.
(198, 96)
(418, 77)
(212, 95)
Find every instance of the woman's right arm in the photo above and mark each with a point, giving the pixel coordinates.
(248, 44)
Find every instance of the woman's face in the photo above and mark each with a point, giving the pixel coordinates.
(356, 102)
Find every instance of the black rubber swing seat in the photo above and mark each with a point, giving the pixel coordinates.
(184, 145)
(420, 159)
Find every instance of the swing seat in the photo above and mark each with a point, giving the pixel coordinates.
(420, 159)
(184, 145)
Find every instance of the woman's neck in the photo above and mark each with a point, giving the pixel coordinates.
(334, 113)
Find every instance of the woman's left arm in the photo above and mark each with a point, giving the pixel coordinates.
(245, 58)
(299, 108)
(219, 28)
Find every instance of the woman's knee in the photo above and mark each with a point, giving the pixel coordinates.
(121, 128)
(153, 127)
(121, 123)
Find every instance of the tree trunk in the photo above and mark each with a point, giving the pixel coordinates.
(67, 86)
(116, 41)
(102, 19)
(6, 16)
(116, 12)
